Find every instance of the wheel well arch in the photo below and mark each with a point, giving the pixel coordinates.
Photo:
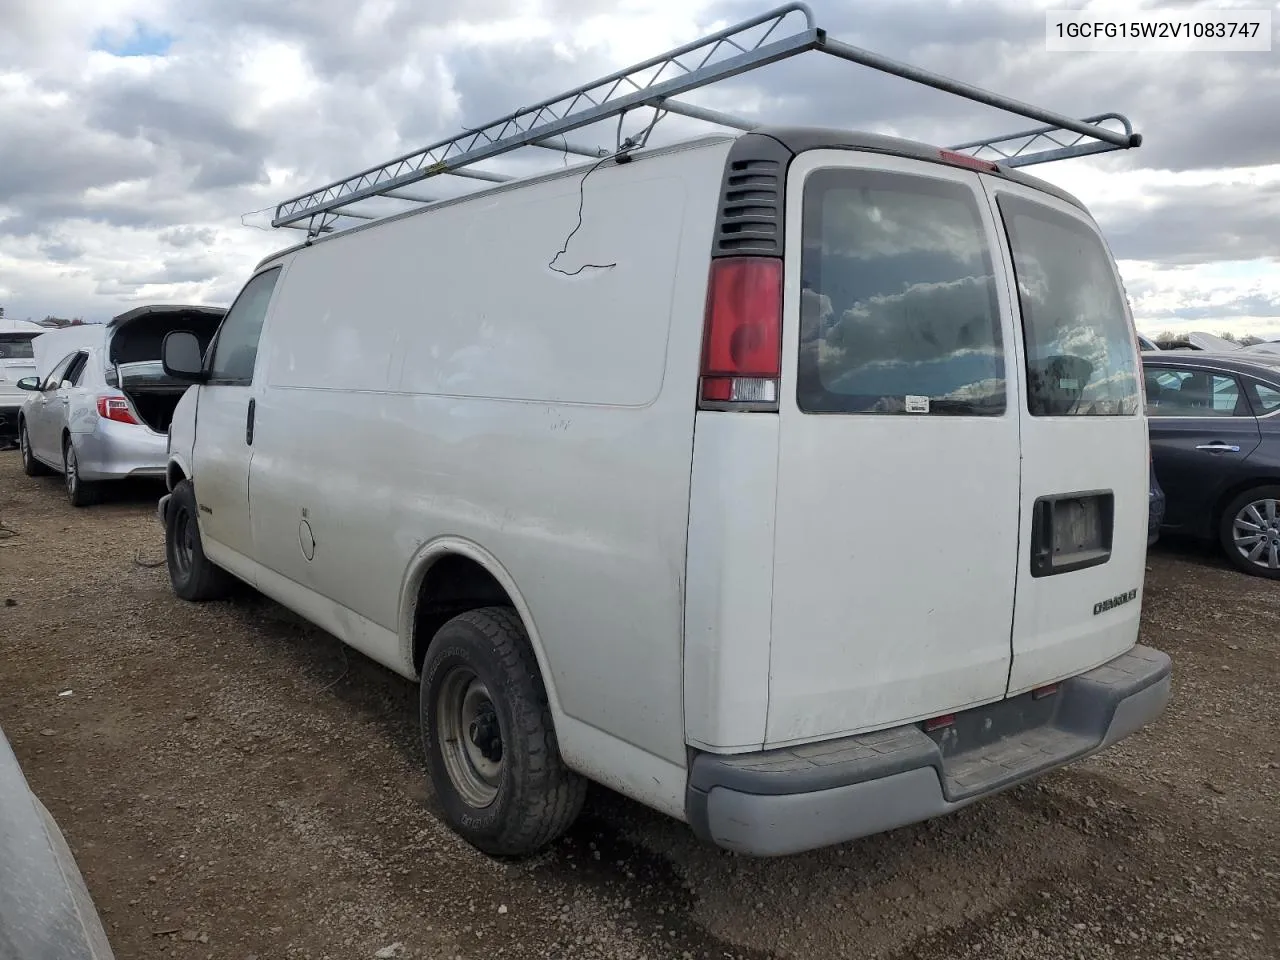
(174, 474)
(450, 576)
(1233, 491)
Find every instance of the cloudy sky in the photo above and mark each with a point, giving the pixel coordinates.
(141, 140)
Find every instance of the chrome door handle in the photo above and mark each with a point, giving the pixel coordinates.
(1219, 447)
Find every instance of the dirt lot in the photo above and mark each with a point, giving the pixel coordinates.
(236, 785)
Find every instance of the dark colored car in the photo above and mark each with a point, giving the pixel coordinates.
(1155, 508)
(1215, 447)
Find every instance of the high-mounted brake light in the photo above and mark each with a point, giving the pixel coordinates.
(964, 160)
(114, 407)
(742, 339)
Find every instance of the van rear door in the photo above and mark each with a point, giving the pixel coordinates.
(1082, 555)
(896, 542)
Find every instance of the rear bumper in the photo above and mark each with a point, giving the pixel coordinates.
(9, 422)
(785, 801)
(113, 451)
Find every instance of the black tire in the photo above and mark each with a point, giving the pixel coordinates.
(80, 492)
(30, 465)
(1268, 531)
(535, 797)
(192, 575)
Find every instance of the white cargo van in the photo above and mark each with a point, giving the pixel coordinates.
(791, 482)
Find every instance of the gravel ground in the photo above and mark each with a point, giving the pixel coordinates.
(237, 785)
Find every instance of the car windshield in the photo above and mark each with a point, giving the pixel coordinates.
(1081, 359)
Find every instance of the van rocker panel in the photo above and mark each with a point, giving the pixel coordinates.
(789, 800)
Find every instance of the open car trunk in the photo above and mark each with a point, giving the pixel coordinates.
(133, 358)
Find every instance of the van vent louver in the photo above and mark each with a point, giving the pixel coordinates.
(751, 198)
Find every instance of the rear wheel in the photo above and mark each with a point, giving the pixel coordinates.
(487, 732)
(192, 575)
(1250, 532)
(30, 465)
(80, 492)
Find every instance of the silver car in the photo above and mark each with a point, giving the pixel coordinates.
(45, 908)
(101, 407)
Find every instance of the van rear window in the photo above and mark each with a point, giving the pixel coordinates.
(16, 347)
(1081, 358)
(898, 302)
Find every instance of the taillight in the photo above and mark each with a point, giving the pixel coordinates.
(964, 160)
(742, 339)
(937, 723)
(111, 407)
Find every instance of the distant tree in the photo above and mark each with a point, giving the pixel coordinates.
(1228, 335)
(1, 313)
(1167, 339)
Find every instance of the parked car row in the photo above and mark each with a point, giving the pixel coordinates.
(1214, 428)
(98, 408)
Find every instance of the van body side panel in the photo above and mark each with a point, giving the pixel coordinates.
(897, 517)
(730, 591)
(436, 377)
(1083, 433)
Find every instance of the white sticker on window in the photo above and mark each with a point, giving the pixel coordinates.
(917, 404)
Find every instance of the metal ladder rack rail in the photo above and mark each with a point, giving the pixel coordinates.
(652, 84)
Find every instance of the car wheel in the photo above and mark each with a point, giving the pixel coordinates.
(192, 575)
(80, 492)
(487, 733)
(1250, 532)
(30, 465)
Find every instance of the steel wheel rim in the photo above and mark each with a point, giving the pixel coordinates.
(470, 736)
(183, 543)
(71, 471)
(1256, 533)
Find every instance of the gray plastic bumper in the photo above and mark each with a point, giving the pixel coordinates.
(802, 798)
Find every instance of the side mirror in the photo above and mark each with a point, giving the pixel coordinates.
(29, 383)
(181, 356)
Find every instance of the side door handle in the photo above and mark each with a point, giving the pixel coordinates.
(248, 423)
(1219, 447)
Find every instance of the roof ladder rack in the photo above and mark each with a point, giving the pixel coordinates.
(776, 35)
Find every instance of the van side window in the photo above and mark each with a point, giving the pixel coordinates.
(235, 350)
(1079, 341)
(898, 307)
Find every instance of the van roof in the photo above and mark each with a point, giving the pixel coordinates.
(794, 139)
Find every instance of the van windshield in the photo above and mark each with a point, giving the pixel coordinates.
(16, 346)
(898, 306)
(1081, 358)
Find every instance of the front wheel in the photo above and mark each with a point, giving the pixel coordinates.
(1250, 532)
(487, 733)
(191, 574)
